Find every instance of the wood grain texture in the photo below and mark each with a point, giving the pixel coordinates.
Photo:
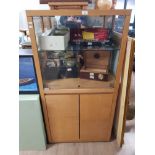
(63, 113)
(92, 148)
(85, 85)
(79, 91)
(132, 54)
(77, 83)
(119, 68)
(124, 92)
(38, 72)
(73, 12)
(68, 3)
(94, 70)
(102, 62)
(42, 24)
(48, 1)
(95, 112)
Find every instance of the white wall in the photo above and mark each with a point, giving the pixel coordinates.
(28, 5)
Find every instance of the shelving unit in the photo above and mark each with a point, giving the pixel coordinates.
(77, 109)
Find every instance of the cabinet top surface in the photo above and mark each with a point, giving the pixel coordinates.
(71, 12)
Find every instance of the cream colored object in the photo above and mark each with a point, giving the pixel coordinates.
(104, 4)
(53, 42)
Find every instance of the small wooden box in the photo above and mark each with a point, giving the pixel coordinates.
(96, 65)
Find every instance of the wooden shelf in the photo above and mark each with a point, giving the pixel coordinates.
(74, 12)
(68, 5)
(77, 85)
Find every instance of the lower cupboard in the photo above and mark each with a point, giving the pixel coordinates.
(79, 117)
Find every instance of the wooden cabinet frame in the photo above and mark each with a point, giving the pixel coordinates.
(31, 13)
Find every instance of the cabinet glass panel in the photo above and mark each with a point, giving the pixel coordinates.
(78, 51)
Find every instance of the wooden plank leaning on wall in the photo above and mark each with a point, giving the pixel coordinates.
(119, 67)
(123, 96)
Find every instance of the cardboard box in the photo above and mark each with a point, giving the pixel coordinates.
(53, 41)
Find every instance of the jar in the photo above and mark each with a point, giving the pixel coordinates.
(104, 4)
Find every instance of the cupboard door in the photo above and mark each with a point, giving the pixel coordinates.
(63, 114)
(95, 111)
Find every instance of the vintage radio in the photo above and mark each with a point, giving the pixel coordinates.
(96, 65)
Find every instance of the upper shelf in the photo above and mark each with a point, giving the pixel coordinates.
(70, 12)
(78, 47)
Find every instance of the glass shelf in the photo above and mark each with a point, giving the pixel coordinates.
(79, 47)
(101, 47)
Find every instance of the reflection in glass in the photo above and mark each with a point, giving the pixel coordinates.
(119, 23)
(67, 44)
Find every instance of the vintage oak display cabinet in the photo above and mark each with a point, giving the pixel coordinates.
(79, 60)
